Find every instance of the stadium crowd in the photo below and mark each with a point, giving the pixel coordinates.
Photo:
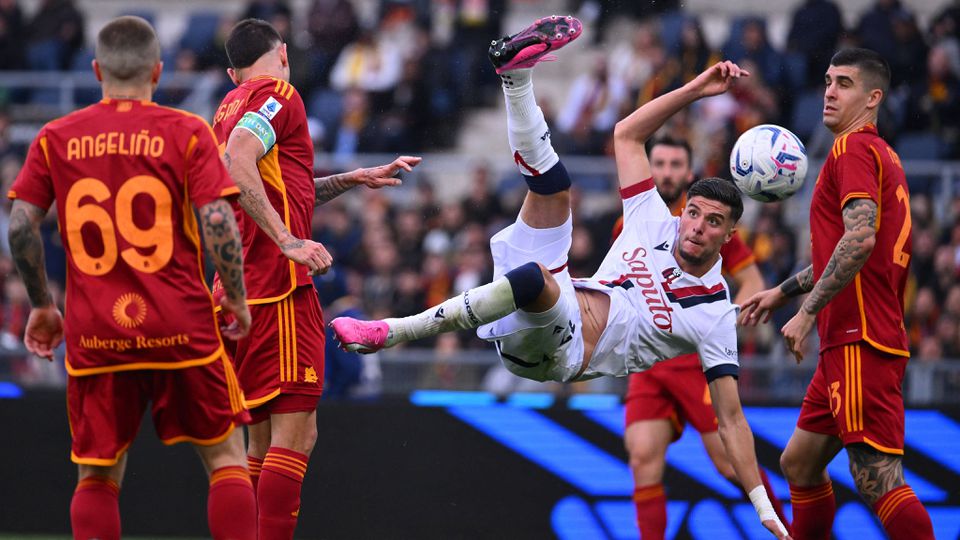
(400, 80)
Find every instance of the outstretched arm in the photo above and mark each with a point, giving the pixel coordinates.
(44, 330)
(330, 187)
(243, 151)
(631, 134)
(760, 306)
(849, 256)
(738, 442)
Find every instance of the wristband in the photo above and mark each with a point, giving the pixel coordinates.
(761, 503)
(791, 287)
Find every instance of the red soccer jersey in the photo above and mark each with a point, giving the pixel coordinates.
(736, 254)
(287, 173)
(124, 174)
(862, 165)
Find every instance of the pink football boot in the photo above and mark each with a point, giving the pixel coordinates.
(360, 336)
(527, 47)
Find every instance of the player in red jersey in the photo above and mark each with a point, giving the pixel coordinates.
(263, 126)
(140, 322)
(860, 236)
(661, 400)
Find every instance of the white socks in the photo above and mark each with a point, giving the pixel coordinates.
(470, 309)
(527, 130)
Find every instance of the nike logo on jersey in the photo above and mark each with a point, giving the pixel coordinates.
(663, 247)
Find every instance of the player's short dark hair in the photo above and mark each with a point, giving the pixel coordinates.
(875, 70)
(127, 50)
(676, 142)
(249, 40)
(720, 190)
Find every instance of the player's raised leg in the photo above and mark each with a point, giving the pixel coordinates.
(547, 204)
(544, 216)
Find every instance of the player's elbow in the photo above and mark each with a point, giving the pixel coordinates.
(868, 243)
(625, 132)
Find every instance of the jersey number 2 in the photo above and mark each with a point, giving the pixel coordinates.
(156, 241)
(899, 257)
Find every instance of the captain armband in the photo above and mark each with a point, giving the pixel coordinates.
(260, 127)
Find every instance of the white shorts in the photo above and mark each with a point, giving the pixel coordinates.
(544, 346)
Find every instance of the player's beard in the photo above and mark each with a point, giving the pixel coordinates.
(672, 194)
(691, 258)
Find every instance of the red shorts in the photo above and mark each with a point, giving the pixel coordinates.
(283, 354)
(200, 404)
(841, 402)
(675, 390)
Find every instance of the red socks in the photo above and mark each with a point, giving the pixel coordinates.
(278, 492)
(95, 509)
(777, 505)
(651, 504)
(231, 506)
(813, 511)
(903, 515)
(254, 465)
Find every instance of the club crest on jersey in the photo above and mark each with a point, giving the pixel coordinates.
(270, 108)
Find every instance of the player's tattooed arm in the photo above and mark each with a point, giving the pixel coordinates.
(222, 238)
(851, 253)
(330, 187)
(801, 283)
(874, 472)
(26, 246)
(253, 198)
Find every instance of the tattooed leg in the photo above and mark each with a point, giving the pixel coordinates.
(874, 472)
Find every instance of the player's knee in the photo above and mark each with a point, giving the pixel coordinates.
(795, 468)
(527, 283)
(647, 466)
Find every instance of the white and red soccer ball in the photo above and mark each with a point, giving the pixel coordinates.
(768, 163)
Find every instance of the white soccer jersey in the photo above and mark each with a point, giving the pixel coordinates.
(658, 311)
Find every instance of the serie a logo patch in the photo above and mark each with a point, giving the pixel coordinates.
(270, 108)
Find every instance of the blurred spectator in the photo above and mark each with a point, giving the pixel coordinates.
(265, 9)
(946, 24)
(593, 106)
(11, 36)
(909, 61)
(54, 35)
(694, 55)
(481, 206)
(302, 75)
(934, 103)
(366, 64)
(634, 62)
(752, 44)
(332, 24)
(213, 55)
(476, 23)
(875, 30)
(814, 32)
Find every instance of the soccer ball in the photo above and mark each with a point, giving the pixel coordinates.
(768, 163)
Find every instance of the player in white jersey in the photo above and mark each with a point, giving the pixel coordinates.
(658, 293)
